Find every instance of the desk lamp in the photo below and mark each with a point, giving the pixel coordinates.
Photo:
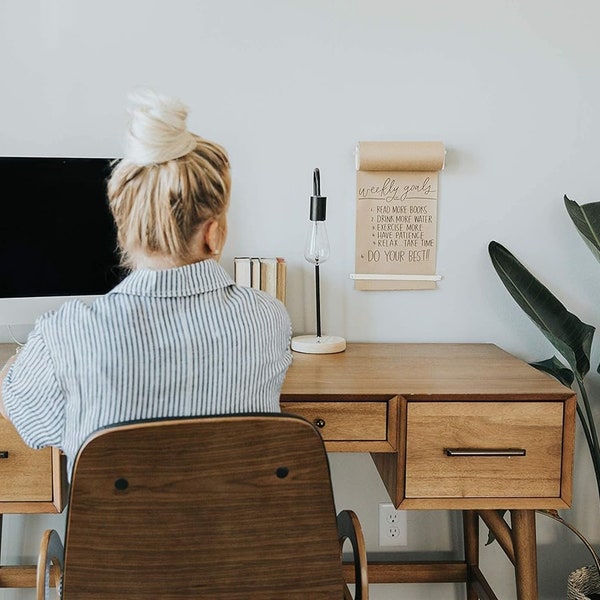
(316, 252)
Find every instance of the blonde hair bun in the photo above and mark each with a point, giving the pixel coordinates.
(157, 130)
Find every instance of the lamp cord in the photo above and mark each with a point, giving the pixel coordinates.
(15, 340)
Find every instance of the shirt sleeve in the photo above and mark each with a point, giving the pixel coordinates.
(32, 395)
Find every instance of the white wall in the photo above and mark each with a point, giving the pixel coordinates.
(510, 86)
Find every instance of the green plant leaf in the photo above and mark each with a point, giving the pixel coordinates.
(491, 538)
(586, 218)
(554, 367)
(566, 332)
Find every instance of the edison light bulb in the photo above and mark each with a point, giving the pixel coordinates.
(316, 250)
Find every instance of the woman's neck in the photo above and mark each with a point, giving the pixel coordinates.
(155, 263)
(159, 262)
(200, 249)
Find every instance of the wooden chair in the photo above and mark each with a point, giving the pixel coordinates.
(220, 507)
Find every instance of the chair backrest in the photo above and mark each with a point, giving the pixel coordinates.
(224, 507)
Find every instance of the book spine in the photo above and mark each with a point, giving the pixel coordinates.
(281, 287)
(255, 272)
(268, 275)
(241, 270)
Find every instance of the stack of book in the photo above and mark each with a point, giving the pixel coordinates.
(267, 274)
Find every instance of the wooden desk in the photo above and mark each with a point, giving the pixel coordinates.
(33, 481)
(449, 426)
(406, 404)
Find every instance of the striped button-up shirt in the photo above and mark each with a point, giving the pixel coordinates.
(175, 342)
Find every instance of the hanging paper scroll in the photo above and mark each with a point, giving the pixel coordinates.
(396, 215)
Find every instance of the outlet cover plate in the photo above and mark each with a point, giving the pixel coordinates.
(392, 525)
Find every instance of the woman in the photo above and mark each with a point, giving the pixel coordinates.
(176, 337)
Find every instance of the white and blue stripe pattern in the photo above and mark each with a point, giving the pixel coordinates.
(176, 342)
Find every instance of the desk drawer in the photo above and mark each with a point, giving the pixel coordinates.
(473, 429)
(344, 421)
(25, 474)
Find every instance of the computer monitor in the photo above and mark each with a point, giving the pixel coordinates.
(57, 236)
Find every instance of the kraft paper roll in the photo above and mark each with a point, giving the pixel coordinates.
(396, 215)
(400, 156)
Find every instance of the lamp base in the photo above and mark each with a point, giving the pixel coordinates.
(325, 344)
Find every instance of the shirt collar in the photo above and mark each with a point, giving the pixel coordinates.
(189, 280)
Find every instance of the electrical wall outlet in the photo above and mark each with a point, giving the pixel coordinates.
(392, 525)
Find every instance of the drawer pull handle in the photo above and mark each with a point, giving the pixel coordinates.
(485, 452)
(320, 423)
(3, 453)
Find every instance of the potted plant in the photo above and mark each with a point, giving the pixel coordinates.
(570, 336)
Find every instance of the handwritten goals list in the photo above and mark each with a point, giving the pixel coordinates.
(396, 214)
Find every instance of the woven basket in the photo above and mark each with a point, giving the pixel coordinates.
(582, 583)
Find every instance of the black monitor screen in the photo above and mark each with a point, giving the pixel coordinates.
(57, 236)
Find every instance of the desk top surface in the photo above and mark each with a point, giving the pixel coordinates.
(384, 369)
(419, 370)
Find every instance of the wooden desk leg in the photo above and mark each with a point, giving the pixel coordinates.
(471, 542)
(524, 542)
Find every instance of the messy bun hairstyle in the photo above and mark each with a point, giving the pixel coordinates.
(169, 182)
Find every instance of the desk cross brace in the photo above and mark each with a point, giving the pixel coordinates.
(518, 542)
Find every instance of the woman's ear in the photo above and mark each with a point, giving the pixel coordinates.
(213, 237)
